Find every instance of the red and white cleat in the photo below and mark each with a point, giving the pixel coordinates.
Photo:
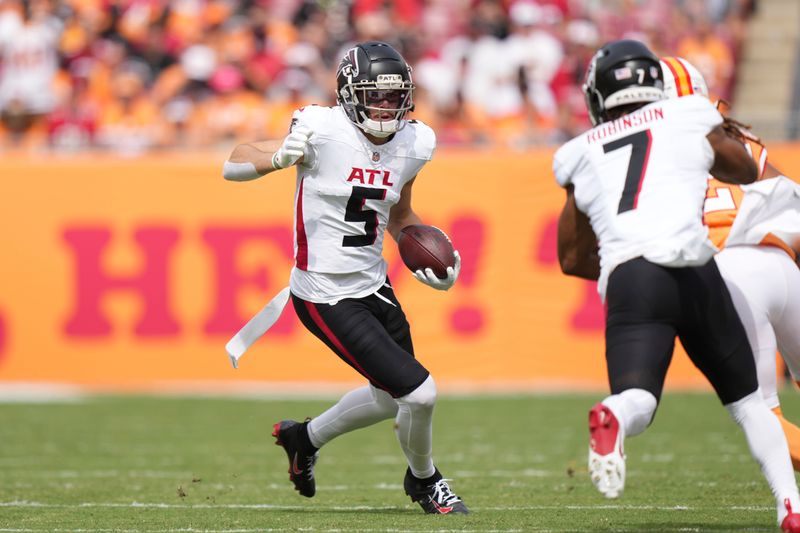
(791, 522)
(606, 455)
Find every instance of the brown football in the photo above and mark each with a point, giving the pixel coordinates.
(424, 247)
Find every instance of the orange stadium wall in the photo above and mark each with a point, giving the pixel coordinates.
(131, 274)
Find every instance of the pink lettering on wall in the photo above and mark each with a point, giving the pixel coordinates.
(397, 272)
(93, 282)
(2, 338)
(589, 314)
(226, 244)
(546, 253)
(467, 234)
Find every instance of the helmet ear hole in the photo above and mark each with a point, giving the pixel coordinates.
(594, 102)
(597, 109)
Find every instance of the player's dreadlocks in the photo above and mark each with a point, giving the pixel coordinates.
(738, 130)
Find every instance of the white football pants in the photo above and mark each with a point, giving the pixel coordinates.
(764, 284)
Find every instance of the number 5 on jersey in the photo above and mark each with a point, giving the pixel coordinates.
(355, 212)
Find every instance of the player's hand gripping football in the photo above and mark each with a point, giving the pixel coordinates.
(294, 146)
(429, 278)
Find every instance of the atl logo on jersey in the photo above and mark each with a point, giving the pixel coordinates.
(366, 176)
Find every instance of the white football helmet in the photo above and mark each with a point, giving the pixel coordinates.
(682, 78)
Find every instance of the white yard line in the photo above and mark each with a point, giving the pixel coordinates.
(269, 530)
(320, 530)
(78, 474)
(267, 506)
(336, 530)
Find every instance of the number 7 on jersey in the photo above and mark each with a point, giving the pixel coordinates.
(637, 166)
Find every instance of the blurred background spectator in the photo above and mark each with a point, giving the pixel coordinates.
(129, 76)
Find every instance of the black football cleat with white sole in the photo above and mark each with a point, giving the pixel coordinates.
(433, 495)
(301, 458)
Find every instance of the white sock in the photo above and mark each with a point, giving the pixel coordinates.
(414, 425)
(633, 408)
(358, 408)
(768, 446)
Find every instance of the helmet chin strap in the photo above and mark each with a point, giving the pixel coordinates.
(380, 128)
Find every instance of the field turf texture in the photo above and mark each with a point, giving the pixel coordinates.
(164, 464)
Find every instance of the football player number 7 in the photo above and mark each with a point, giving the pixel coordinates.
(637, 166)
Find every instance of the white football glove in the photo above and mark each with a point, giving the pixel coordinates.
(294, 146)
(429, 278)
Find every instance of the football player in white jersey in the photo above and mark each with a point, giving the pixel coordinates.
(755, 226)
(633, 219)
(29, 59)
(356, 163)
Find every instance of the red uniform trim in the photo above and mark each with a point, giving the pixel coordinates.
(301, 259)
(683, 80)
(317, 318)
(644, 168)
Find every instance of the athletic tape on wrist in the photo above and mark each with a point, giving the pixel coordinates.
(239, 171)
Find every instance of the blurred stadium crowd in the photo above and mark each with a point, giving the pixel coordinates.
(130, 76)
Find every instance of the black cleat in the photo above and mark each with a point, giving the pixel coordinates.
(301, 459)
(433, 495)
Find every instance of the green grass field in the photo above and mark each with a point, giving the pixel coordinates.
(151, 464)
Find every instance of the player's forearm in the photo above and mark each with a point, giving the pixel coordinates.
(732, 162)
(248, 162)
(398, 222)
(577, 256)
(586, 267)
(576, 242)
